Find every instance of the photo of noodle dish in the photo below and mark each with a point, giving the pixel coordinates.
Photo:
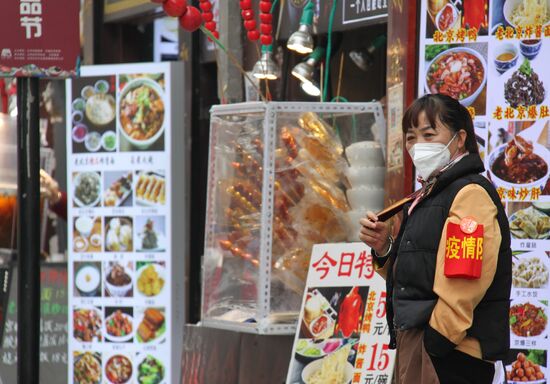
(530, 270)
(526, 12)
(331, 369)
(459, 72)
(141, 113)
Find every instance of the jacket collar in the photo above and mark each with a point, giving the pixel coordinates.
(470, 164)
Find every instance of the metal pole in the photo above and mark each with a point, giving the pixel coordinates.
(28, 300)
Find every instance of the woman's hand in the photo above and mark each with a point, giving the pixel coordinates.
(49, 188)
(375, 233)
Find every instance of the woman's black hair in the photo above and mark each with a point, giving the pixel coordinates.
(448, 111)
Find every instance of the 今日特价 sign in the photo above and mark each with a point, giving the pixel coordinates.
(342, 330)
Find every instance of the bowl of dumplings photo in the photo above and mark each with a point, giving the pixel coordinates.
(119, 234)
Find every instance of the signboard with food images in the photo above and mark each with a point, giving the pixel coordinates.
(490, 55)
(343, 335)
(122, 299)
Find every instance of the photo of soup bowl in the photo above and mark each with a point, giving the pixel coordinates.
(530, 48)
(88, 280)
(434, 67)
(145, 97)
(539, 150)
(506, 57)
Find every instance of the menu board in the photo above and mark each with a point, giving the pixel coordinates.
(119, 139)
(343, 335)
(53, 325)
(492, 55)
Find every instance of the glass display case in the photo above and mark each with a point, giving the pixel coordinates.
(276, 186)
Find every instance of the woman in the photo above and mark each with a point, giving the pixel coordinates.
(449, 271)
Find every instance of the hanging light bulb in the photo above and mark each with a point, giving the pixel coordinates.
(311, 88)
(305, 70)
(266, 68)
(301, 41)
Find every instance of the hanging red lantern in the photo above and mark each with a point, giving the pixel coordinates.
(175, 8)
(211, 26)
(191, 20)
(206, 6)
(253, 35)
(250, 25)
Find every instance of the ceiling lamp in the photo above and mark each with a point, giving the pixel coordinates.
(266, 68)
(311, 88)
(305, 70)
(301, 41)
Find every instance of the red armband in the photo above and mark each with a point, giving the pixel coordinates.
(464, 249)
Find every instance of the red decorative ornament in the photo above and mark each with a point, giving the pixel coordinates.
(191, 20)
(175, 8)
(253, 35)
(247, 14)
(266, 39)
(265, 6)
(211, 26)
(206, 6)
(266, 20)
(207, 16)
(250, 25)
(245, 4)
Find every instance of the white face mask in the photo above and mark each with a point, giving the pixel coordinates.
(430, 157)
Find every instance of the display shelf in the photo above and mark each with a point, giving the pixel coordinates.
(276, 186)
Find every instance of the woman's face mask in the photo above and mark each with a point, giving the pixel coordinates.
(429, 158)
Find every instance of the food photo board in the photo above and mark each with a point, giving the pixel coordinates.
(342, 335)
(122, 135)
(492, 56)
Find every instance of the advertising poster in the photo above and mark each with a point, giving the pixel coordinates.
(119, 272)
(492, 55)
(342, 335)
(40, 38)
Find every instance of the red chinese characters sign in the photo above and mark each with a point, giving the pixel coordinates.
(40, 38)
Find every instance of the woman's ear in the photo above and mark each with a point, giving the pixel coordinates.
(461, 139)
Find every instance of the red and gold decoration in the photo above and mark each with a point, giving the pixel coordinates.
(266, 20)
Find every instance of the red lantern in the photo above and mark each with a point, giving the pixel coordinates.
(211, 26)
(253, 35)
(206, 6)
(245, 4)
(266, 39)
(207, 16)
(266, 18)
(266, 29)
(250, 25)
(175, 8)
(247, 14)
(191, 20)
(265, 6)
